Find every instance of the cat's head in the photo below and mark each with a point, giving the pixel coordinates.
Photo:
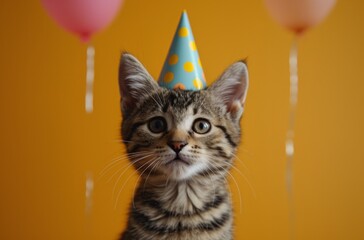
(178, 134)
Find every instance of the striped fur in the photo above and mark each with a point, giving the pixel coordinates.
(184, 158)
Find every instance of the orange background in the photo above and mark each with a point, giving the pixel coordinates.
(48, 142)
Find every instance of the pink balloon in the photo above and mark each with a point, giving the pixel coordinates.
(299, 15)
(82, 17)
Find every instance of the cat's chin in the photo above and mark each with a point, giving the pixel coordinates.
(180, 170)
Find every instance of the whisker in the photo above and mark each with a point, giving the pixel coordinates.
(152, 162)
(212, 182)
(240, 173)
(129, 165)
(117, 199)
(120, 159)
(116, 161)
(123, 170)
(240, 200)
(241, 148)
(122, 187)
(240, 160)
(156, 165)
(138, 153)
(110, 164)
(225, 180)
(246, 180)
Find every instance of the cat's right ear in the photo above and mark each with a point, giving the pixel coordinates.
(231, 88)
(134, 82)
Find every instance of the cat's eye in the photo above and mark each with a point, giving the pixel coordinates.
(201, 126)
(157, 125)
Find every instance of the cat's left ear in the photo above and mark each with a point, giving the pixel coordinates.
(231, 88)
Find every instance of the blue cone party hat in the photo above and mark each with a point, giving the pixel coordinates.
(182, 68)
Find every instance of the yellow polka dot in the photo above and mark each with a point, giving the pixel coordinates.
(179, 86)
(183, 32)
(193, 46)
(168, 77)
(197, 83)
(188, 67)
(173, 59)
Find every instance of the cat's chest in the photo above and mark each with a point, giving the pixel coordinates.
(210, 225)
(184, 213)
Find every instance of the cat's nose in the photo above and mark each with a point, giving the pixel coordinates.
(177, 145)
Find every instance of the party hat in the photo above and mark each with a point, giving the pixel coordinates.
(182, 68)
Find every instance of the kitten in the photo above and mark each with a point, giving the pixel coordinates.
(182, 143)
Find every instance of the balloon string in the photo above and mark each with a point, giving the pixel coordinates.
(89, 189)
(89, 97)
(290, 133)
(89, 106)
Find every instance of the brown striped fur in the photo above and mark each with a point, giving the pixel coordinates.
(182, 143)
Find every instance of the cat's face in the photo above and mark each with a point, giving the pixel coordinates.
(176, 134)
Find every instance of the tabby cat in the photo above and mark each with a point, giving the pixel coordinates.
(182, 143)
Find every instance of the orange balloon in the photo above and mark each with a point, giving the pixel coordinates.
(299, 15)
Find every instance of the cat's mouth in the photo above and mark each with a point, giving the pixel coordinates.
(177, 159)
